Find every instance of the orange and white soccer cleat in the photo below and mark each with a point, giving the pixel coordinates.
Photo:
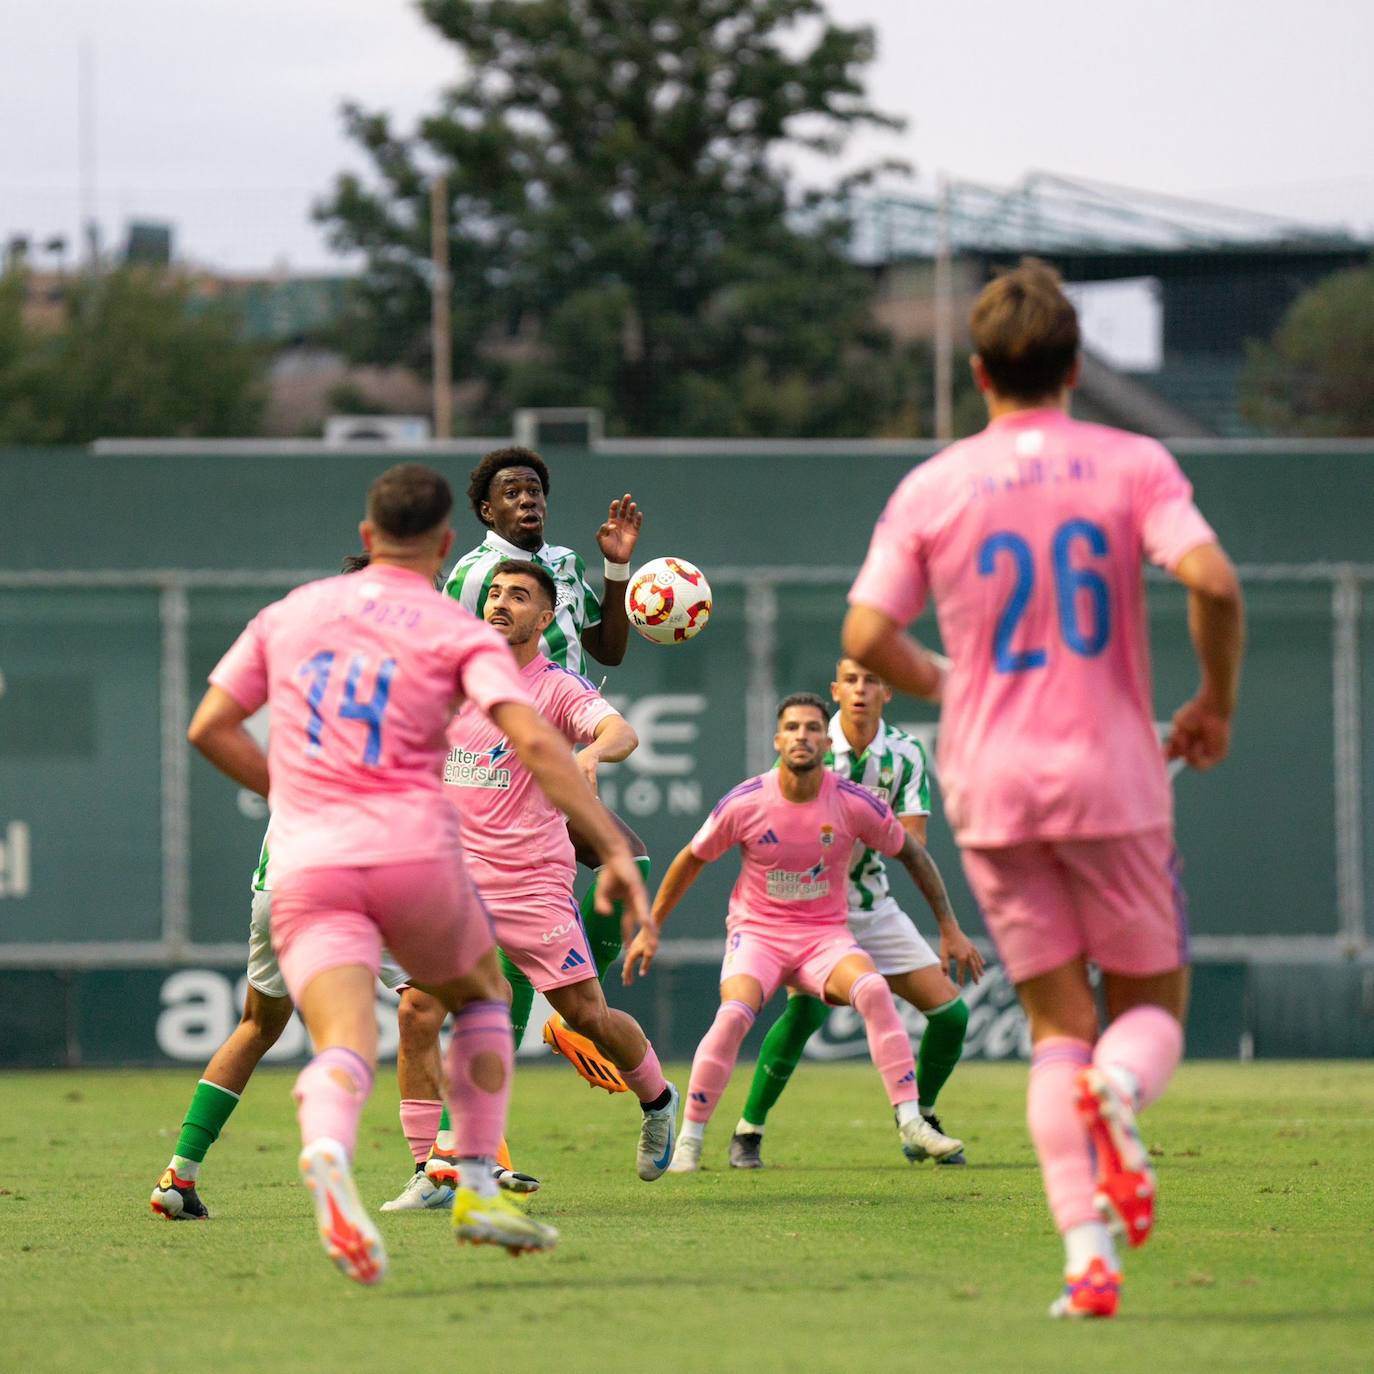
(441, 1168)
(1093, 1293)
(583, 1056)
(346, 1231)
(1126, 1187)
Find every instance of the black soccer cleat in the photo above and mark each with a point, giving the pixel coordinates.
(744, 1150)
(177, 1200)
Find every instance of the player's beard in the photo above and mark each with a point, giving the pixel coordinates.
(805, 766)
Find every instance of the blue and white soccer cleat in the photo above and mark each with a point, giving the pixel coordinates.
(922, 1139)
(657, 1135)
(420, 1194)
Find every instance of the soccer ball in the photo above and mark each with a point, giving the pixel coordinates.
(668, 600)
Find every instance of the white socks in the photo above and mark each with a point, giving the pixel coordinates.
(744, 1127)
(1084, 1243)
(908, 1111)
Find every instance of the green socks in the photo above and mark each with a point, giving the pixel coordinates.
(941, 1046)
(603, 932)
(211, 1106)
(521, 997)
(781, 1052)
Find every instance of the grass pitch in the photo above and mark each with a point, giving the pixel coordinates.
(838, 1256)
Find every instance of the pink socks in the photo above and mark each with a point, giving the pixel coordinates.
(714, 1059)
(1059, 1135)
(420, 1123)
(481, 1063)
(1147, 1043)
(647, 1081)
(888, 1043)
(330, 1093)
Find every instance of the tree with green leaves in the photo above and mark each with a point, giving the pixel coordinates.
(136, 355)
(1313, 378)
(624, 230)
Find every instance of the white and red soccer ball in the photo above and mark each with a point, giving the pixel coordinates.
(668, 600)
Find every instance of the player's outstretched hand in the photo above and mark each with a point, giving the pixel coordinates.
(1200, 736)
(641, 951)
(960, 957)
(618, 536)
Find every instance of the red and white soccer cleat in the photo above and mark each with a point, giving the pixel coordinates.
(1125, 1181)
(1093, 1293)
(346, 1231)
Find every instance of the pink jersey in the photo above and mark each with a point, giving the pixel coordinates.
(509, 825)
(362, 673)
(1030, 537)
(794, 856)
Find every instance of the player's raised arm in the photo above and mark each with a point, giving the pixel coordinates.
(615, 740)
(1201, 733)
(550, 760)
(681, 874)
(607, 640)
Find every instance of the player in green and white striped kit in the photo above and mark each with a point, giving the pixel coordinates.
(892, 765)
(508, 491)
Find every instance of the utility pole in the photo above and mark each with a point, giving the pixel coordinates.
(944, 320)
(440, 313)
(85, 151)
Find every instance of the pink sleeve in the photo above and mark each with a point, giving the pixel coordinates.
(893, 577)
(719, 831)
(1170, 524)
(577, 709)
(486, 670)
(874, 821)
(242, 672)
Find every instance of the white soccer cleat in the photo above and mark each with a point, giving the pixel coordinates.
(687, 1155)
(346, 1231)
(922, 1140)
(420, 1194)
(499, 1221)
(657, 1134)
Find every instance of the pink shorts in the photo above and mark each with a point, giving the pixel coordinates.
(539, 929)
(803, 958)
(1117, 902)
(428, 914)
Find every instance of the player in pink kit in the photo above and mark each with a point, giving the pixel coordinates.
(362, 673)
(520, 855)
(1029, 536)
(796, 827)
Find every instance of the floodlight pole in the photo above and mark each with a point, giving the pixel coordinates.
(944, 320)
(440, 316)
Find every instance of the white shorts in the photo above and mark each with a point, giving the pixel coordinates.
(887, 935)
(264, 973)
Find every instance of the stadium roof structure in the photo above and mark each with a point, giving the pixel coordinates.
(1049, 213)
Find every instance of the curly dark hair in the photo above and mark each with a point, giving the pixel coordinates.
(480, 478)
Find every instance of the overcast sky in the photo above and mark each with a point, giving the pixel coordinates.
(222, 115)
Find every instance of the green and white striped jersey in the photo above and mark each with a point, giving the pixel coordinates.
(893, 767)
(578, 608)
(260, 872)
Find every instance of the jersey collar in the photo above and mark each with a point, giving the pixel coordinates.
(839, 741)
(508, 550)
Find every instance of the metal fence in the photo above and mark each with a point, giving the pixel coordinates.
(119, 847)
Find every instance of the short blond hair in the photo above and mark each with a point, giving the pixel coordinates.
(1025, 330)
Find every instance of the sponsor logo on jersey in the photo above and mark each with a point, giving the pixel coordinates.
(558, 932)
(768, 837)
(787, 886)
(464, 768)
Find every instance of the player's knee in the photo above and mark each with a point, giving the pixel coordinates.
(266, 1017)
(419, 1017)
